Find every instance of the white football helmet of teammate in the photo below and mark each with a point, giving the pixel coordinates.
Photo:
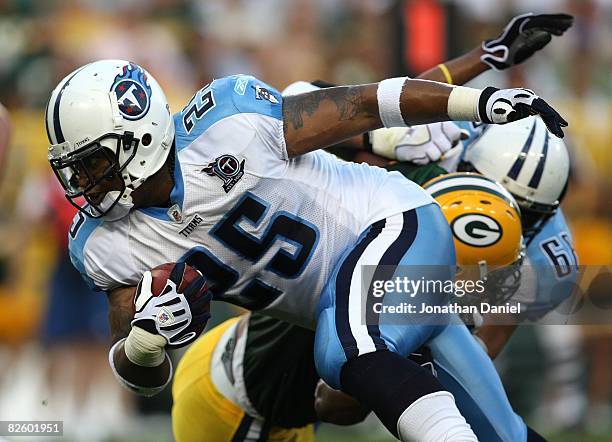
(108, 120)
(527, 159)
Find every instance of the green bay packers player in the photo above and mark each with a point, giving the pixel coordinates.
(486, 224)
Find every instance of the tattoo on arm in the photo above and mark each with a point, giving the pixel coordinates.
(326, 117)
(348, 101)
(120, 324)
(120, 313)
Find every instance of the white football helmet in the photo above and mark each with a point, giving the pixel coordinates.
(299, 87)
(107, 120)
(526, 159)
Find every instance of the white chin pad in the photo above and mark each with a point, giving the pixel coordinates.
(119, 210)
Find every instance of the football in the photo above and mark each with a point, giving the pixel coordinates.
(161, 273)
(201, 298)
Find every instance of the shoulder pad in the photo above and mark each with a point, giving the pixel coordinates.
(221, 99)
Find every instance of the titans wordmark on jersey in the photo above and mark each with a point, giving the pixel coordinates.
(266, 230)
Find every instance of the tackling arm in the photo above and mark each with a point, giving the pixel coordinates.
(325, 117)
(495, 336)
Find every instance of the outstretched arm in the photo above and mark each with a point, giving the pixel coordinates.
(325, 117)
(459, 70)
(522, 37)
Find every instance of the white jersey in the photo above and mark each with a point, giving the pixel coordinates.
(264, 229)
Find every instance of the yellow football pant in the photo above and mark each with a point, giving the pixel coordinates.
(201, 414)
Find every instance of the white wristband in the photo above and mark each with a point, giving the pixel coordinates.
(144, 348)
(463, 104)
(143, 391)
(388, 96)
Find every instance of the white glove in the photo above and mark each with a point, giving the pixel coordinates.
(420, 144)
(502, 106)
(178, 317)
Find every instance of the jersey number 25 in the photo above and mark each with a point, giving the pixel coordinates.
(282, 226)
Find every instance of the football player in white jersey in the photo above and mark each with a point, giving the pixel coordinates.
(233, 185)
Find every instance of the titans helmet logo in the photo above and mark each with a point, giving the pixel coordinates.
(133, 92)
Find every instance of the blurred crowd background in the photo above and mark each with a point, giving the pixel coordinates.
(53, 337)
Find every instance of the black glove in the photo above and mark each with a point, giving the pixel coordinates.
(522, 37)
(500, 106)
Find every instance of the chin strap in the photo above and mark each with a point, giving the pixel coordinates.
(126, 198)
(116, 116)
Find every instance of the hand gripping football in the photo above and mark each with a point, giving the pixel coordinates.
(173, 300)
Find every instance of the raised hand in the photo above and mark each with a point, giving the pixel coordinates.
(522, 37)
(500, 106)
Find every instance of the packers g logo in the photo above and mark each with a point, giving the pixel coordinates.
(476, 230)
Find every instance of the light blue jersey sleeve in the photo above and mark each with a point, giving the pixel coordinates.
(552, 254)
(80, 230)
(101, 253)
(241, 97)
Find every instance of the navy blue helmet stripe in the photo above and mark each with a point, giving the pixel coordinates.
(59, 135)
(47, 122)
(384, 272)
(537, 175)
(343, 290)
(520, 161)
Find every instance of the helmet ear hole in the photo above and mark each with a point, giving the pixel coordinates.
(146, 139)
